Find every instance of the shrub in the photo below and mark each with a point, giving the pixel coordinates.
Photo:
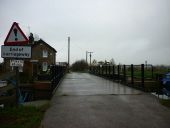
(79, 65)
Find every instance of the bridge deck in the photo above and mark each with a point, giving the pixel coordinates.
(87, 101)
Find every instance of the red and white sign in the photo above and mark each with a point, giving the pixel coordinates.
(16, 36)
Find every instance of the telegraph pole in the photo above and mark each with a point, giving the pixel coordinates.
(68, 53)
(86, 56)
(90, 57)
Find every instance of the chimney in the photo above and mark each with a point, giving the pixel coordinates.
(31, 39)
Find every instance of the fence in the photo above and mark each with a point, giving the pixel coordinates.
(43, 88)
(57, 72)
(39, 89)
(138, 76)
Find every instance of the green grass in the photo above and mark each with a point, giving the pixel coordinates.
(22, 117)
(165, 102)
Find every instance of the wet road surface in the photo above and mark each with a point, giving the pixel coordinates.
(87, 101)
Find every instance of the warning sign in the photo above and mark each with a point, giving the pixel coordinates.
(16, 36)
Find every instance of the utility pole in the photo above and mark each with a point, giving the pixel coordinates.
(90, 57)
(68, 53)
(86, 56)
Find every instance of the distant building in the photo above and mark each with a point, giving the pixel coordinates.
(62, 63)
(43, 55)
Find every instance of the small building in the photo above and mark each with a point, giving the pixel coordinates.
(43, 55)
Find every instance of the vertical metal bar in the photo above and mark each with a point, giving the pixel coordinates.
(124, 73)
(99, 69)
(113, 71)
(106, 70)
(109, 70)
(90, 58)
(68, 53)
(86, 56)
(142, 76)
(152, 71)
(132, 74)
(118, 72)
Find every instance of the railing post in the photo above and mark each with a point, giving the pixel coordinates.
(96, 67)
(106, 70)
(97, 70)
(132, 74)
(93, 70)
(152, 72)
(124, 73)
(118, 72)
(113, 72)
(142, 76)
(109, 70)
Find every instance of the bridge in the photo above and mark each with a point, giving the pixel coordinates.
(87, 101)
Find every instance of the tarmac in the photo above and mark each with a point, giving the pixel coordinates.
(87, 101)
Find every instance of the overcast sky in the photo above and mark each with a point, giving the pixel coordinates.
(130, 31)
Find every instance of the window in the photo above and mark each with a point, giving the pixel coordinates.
(44, 66)
(45, 53)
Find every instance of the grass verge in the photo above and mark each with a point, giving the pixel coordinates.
(22, 116)
(165, 102)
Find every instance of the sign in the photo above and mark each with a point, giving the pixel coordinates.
(16, 63)
(20, 69)
(23, 52)
(16, 36)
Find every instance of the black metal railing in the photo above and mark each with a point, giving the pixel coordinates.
(138, 76)
(57, 72)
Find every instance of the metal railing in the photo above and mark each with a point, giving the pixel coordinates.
(138, 76)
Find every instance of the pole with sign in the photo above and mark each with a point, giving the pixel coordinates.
(16, 48)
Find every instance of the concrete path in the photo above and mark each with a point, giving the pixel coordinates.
(87, 101)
